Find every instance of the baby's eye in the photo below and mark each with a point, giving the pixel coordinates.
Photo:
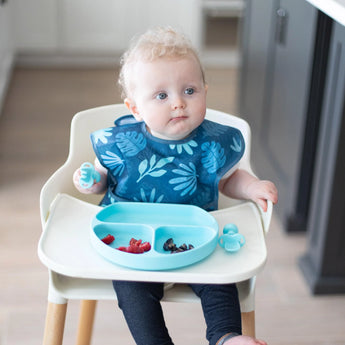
(189, 91)
(162, 95)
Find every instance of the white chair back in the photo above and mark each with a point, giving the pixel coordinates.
(87, 121)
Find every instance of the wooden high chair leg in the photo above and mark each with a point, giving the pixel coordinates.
(55, 324)
(248, 323)
(86, 318)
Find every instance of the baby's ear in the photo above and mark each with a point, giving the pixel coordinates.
(130, 104)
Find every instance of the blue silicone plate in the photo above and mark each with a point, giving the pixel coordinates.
(154, 223)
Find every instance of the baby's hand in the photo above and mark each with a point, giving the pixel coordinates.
(260, 191)
(89, 181)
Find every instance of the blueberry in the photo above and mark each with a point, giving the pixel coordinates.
(168, 244)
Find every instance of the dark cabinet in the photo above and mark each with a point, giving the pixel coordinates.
(292, 93)
(278, 45)
(324, 262)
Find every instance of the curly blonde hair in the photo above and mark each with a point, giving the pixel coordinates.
(155, 43)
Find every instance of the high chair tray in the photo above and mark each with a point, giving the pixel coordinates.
(154, 225)
(65, 248)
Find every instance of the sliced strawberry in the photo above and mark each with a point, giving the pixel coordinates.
(108, 239)
(123, 249)
(135, 249)
(132, 241)
(146, 246)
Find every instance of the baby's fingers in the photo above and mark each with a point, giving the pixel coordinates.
(262, 203)
(270, 192)
(76, 176)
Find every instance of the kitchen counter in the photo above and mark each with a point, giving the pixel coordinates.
(333, 8)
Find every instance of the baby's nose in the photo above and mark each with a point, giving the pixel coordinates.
(178, 103)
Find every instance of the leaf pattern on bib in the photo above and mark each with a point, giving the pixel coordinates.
(202, 196)
(213, 156)
(149, 197)
(153, 168)
(113, 162)
(111, 199)
(187, 182)
(186, 146)
(130, 143)
(237, 144)
(102, 135)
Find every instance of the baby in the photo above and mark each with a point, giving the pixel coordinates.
(166, 151)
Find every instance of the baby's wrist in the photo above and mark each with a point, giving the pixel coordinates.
(248, 192)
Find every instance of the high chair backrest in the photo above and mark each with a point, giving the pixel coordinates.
(80, 151)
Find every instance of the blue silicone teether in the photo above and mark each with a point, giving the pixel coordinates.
(88, 175)
(230, 229)
(231, 240)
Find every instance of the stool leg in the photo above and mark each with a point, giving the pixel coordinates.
(248, 323)
(55, 324)
(87, 315)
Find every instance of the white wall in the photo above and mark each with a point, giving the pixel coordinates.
(87, 31)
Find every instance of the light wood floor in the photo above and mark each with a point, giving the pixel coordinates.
(34, 133)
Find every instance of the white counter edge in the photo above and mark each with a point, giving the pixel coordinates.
(333, 8)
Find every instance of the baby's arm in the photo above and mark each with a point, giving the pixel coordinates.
(96, 188)
(243, 185)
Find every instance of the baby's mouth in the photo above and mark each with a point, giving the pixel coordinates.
(178, 117)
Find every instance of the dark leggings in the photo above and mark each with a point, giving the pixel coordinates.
(140, 303)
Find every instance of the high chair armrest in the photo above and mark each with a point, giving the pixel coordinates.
(266, 216)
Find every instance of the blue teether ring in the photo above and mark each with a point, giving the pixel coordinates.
(230, 228)
(88, 175)
(231, 240)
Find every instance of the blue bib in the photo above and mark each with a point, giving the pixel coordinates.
(144, 168)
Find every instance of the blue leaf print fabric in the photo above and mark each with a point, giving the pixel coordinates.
(187, 182)
(149, 197)
(143, 168)
(102, 135)
(213, 156)
(187, 147)
(153, 168)
(213, 129)
(130, 143)
(236, 145)
(114, 162)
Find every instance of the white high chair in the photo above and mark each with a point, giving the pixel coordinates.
(77, 272)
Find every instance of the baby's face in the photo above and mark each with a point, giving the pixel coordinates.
(169, 95)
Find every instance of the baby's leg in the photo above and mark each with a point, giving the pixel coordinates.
(140, 303)
(221, 309)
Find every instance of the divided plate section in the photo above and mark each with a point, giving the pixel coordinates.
(198, 236)
(123, 233)
(154, 223)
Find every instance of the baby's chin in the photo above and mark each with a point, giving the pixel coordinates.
(172, 135)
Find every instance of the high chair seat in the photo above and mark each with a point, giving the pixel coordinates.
(77, 271)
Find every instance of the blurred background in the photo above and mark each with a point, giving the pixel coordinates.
(280, 64)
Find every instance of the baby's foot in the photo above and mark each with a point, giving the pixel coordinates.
(244, 340)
